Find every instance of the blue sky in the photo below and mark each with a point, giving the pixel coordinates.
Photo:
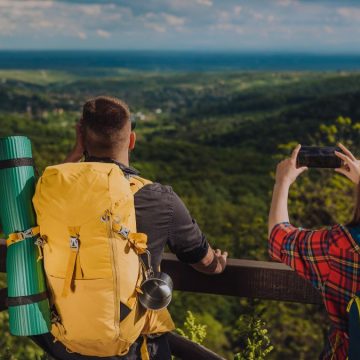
(252, 25)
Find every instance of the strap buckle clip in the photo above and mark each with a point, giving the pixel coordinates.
(74, 242)
(40, 241)
(124, 232)
(26, 234)
(55, 318)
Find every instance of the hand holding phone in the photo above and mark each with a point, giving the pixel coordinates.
(319, 157)
(350, 165)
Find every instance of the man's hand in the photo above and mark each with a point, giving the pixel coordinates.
(286, 171)
(214, 262)
(350, 167)
(77, 152)
(221, 259)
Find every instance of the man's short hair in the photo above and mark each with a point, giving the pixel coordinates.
(104, 118)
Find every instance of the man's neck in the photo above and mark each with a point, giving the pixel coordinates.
(121, 158)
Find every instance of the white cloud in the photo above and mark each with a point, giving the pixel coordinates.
(328, 29)
(7, 27)
(285, 2)
(34, 23)
(257, 15)
(160, 22)
(45, 4)
(156, 27)
(173, 20)
(229, 27)
(237, 10)
(58, 18)
(351, 13)
(103, 34)
(42, 24)
(82, 35)
(89, 10)
(205, 2)
(223, 15)
(270, 18)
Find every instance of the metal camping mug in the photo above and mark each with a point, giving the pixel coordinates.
(156, 289)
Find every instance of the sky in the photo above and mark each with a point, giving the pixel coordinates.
(331, 26)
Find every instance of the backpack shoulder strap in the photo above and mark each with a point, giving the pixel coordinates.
(353, 310)
(137, 183)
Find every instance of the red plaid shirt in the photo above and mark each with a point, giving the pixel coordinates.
(330, 260)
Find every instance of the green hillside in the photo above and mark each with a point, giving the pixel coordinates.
(216, 138)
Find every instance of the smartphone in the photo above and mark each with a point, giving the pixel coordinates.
(319, 157)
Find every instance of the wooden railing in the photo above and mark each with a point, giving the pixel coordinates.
(242, 278)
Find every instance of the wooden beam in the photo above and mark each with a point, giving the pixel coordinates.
(183, 348)
(243, 278)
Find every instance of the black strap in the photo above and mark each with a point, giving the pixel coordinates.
(26, 300)
(6, 164)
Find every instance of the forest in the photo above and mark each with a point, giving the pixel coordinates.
(215, 137)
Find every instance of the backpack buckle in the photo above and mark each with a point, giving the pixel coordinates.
(74, 243)
(55, 318)
(124, 232)
(27, 233)
(40, 241)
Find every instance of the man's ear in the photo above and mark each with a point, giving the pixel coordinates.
(132, 141)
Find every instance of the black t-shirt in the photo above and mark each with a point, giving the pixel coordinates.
(161, 215)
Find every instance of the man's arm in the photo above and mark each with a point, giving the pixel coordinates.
(214, 262)
(78, 150)
(187, 241)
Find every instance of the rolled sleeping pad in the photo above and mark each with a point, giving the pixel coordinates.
(29, 311)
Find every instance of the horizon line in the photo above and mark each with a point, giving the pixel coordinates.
(199, 51)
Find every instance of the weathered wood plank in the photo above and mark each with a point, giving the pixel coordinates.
(185, 349)
(244, 278)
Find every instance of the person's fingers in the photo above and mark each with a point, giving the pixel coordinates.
(343, 157)
(225, 254)
(346, 151)
(302, 169)
(342, 171)
(217, 252)
(295, 152)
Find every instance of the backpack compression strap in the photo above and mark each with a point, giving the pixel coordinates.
(74, 250)
(22, 235)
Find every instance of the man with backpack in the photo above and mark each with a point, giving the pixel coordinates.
(142, 216)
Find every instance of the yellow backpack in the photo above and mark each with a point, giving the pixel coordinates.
(91, 254)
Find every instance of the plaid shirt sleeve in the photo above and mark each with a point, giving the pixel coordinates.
(305, 251)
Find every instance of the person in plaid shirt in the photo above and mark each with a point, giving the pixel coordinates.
(328, 258)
